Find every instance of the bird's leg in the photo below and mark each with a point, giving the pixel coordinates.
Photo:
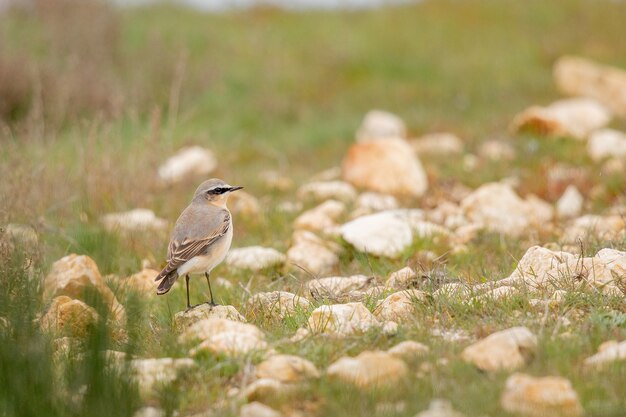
(187, 282)
(212, 303)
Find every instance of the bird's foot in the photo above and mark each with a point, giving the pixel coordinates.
(211, 303)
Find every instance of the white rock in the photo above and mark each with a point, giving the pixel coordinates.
(277, 304)
(440, 408)
(369, 369)
(150, 412)
(326, 190)
(286, 368)
(540, 397)
(380, 124)
(570, 204)
(400, 306)
(67, 316)
(386, 166)
(608, 353)
(188, 162)
(312, 254)
(373, 202)
(504, 350)
(402, 279)
(184, 319)
(264, 389)
(537, 265)
(575, 118)
(408, 350)
(497, 294)
(600, 227)
(142, 281)
(381, 234)
(254, 258)
(257, 409)
(225, 336)
(606, 143)
(137, 220)
(496, 150)
(338, 288)
(245, 204)
(342, 319)
(321, 217)
(150, 372)
(437, 144)
(275, 180)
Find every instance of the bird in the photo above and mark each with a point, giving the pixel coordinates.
(201, 237)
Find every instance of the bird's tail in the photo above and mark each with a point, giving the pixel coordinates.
(167, 280)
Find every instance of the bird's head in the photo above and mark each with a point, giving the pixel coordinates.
(214, 191)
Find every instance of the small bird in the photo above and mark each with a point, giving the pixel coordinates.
(201, 237)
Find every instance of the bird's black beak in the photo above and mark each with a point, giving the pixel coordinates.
(234, 189)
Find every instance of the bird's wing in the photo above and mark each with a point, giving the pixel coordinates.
(185, 246)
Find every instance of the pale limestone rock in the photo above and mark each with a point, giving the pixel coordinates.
(437, 144)
(578, 76)
(402, 279)
(380, 124)
(466, 233)
(570, 204)
(142, 281)
(497, 294)
(608, 353)
(342, 319)
(245, 204)
(504, 350)
(574, 117)
(540, 397)
(136, 220)
(77, 275)
(25, 235)
(607, 143)
(67, 316)
(321, 217)
(150, 412)
(424, 229)
(254, 258)
(399, 306)
(614, 260)
(150, 372)
(326, 190)
(264, 389)
(257, 409)
(440, 408)
(381, 234)
(451, 335)
(372, 202)
(188, 162)
(330, 174)
(386, 166)
(591, 225)
(184, 319)
(537, 265)
(338, 288)
(313, 254)
(277, 304)
(496, 150)
(389, 328)
(593, 271)
(369, 369)
(408, 350)
(218, 335)
(454, 290)
(286, 368)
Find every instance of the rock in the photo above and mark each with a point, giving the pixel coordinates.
(399, 306)
(24, 235)
(440, 408)
(606, 228)
(312, 254)
(541, 397)
(244, 204)
(321, 217)
(608, 353)
(339, 288)
(570, 204)
(607, 143)
(575, 118)
(286, 368)
(614, 260)
(380, 124)
(403, 279)
(254, 258)
(142, 281)
(504, 350)
(496, 150)
(69, 317)
(137, 220)
(578, 270)
(372, 202)
(223, 336)
(277, 304)
(437, 144)
(501, 210)
(369, 369)
(256, 409)
(187, 162)
(342, 319)
(265, 389)
(380, 234)
(77, 276)
(276, 181)
(150, 412)
(581, 77)
(408, 350)
(497, 294)
(453, 290)
(186, 318)
(151, 372)
(536, 266)
(326, 190)
(386, 166)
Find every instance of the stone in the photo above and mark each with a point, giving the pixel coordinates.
(342, 319)
(591, 270)
(403, 279)
(454, 290)
(409, 350)
(607, 143)
(264, 389)
(338, 288)
(142, 281)
(574, 118)
(372, 202)
(223, 336)
(381, 234)
(321, 217)
(193, 161)
(369, 369)
(440, 408)
(326, 190)
(608, 353)
(184, 319)
(77, 276)
(312, 254)
(286, 368)
(257, 409)
(150, 412)
(22, 234)
(537, 265)
(245, 204)
(614, 260)
(437, 144)
(254, 258)
(277, 304)
(399, 306)
(504, 292)
(541, 397)
(607, 228)
(137, 220)
(152, 372)
(385, 166)
(508, 349)
(570, 204)
(496, 150)
(578, 76)
(380, 124)
(276, 181)
(69, 317)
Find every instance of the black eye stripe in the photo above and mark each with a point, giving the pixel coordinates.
(218, 190)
